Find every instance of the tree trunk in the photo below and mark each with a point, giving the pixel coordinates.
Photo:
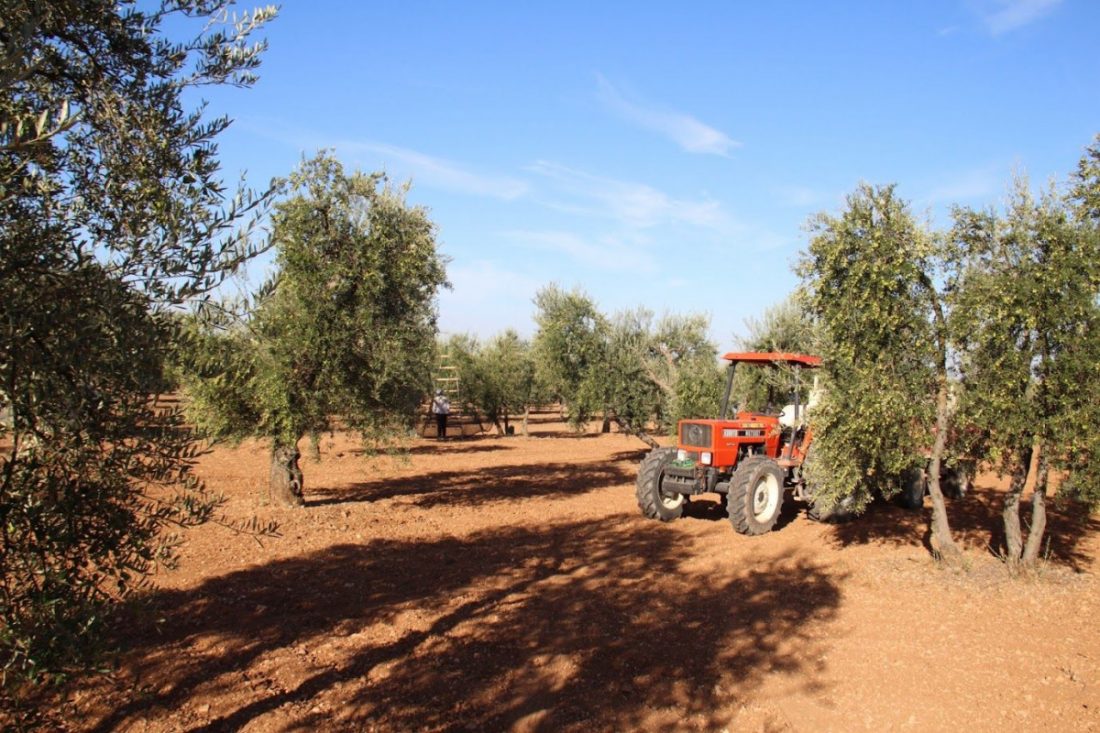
(286, 477)
(526, 418)
(943, 544)
(1014, 541)
(1038, 514)
(639, 434)
(606, 424)
(1022, 479)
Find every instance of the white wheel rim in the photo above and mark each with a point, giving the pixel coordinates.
(765, 497)
(673, 501)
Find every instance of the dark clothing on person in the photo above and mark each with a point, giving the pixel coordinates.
(441, 407)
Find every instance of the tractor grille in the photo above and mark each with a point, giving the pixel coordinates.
(695, 434)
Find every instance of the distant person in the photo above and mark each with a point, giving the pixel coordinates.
(441, 407)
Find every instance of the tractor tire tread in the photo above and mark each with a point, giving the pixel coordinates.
(740, 497)
(646, 492)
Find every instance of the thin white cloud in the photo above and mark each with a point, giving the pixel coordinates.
(481, 290)
(965, 186)
(803, 197)
(686, 131)
(635, 205)
(1003, 16)
(438, 172)
(606, 253)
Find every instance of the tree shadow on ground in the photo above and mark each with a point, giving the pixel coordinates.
(976, 521)
(480, 486)
(459, 445)
(713, 510)
(577, 626)
(709, 509)
(634, 456)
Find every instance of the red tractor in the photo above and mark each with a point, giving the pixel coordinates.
(750, 457)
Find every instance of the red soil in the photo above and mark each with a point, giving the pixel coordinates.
(495, 584)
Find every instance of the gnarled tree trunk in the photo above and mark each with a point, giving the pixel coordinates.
(1022, 479)
(286, 476)
(943, 544)
(1038, 514)
(639, 434)
(1014, 538)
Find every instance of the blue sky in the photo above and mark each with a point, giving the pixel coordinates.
(662, 156)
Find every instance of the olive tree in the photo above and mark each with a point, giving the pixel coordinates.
(869, 276)
(497, 379)
(346, 327)
(570, 345)
(112, 213)
(784, 327)
(662, 370)
(641, 374)
(1026, 309)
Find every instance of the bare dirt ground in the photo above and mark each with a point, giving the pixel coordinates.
(509, 584)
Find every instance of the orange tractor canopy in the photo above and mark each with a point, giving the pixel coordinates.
(750, 458)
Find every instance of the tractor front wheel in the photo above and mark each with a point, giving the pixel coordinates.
(655, 503)
(756, 495)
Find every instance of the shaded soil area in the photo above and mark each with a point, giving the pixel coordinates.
(510, 584)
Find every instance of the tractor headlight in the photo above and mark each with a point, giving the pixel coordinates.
(705, 458)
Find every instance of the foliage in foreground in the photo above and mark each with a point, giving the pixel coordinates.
(864, 276)
(997, 367)
(1028, 323)
(111, 213)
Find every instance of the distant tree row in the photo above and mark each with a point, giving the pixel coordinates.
(498, 380)
(639, 373)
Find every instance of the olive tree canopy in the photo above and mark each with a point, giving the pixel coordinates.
(346, 328)
(112, 212)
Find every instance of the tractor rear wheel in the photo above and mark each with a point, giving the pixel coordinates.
(655, 503)
(755, 495)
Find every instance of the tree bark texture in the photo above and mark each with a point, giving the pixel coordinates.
(640, 435)
(1038, 514)
(943, 544)
(1023, 478)
(286, 476)
(1014, 541)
